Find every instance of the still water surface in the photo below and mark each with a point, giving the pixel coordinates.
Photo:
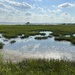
(31, 48)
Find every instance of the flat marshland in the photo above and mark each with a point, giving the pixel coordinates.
(38, 66)
(59, 31)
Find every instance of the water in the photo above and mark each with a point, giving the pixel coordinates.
(73, 34)
(31, 48)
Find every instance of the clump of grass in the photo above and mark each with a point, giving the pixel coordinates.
(73, 42)
(62, 38)
(42, 34)
(1, 45)
(10, 35)
(50, 36)
(55, 34)
(22, 37)
(42, 37)
(13, 41)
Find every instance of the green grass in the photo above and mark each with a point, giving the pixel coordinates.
(63, 38)
(31, 30)
(13, 41)
(40, 38)
(37, 67)
(1, 45)
(14, 31)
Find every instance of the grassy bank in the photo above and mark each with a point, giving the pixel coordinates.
(37, 67)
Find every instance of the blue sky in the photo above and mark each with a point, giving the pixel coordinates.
(37, 11)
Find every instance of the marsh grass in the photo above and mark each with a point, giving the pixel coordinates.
(58, 31)
(38, 67)
(13, 41)
(1, 59)
(1, 45)
(13, 31)
(73, 42)
(63, 38)
(41, 38)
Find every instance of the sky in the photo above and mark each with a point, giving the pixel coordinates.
(37, 11)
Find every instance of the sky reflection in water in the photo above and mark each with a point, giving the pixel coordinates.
(32, 48)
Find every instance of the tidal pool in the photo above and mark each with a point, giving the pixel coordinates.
(31, 48)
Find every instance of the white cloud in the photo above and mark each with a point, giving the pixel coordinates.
(41, 18)
(37, 0)
(28, 13)
(13, 10)
(41, 9)
(8, 9)
(3, 10)
(23, 5)
(66, 17)
(66, 5)
(54, 11)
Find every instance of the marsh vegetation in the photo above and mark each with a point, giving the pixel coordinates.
(31, 30)
(39, 66)
(13, 41)
(1, 45)
(40, 38)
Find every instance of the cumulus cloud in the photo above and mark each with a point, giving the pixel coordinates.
(41, 9)
(66, 5)
(28, 13)
(54, 11)
(7, 9)
(36, 0)
(19, 12)
(66, 17)
(23, 5)
(2, 5)
(3, 10)
(11, 7)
